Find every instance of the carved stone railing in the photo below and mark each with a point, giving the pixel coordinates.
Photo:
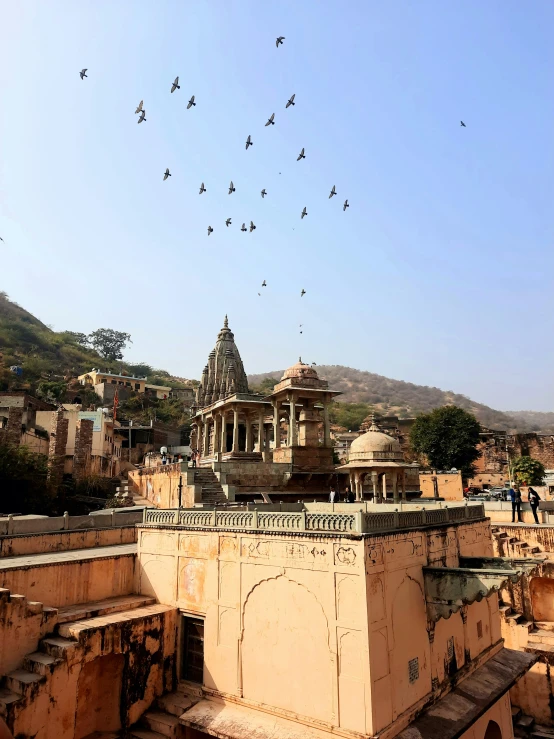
(356, 522)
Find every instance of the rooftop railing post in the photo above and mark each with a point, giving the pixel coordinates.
(255, 518)
(302, 525)
(396, 519)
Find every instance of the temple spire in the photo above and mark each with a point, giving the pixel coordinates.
(226, 322)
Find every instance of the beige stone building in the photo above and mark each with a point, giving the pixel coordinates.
(302, 623)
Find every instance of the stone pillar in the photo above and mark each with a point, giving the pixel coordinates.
(385, 486)
(375, 483)
(267, 446)
(217, 434)
(359, 486)
(292, 421)
(83, 448)
(13, 429)
(403, 483)
(395, 496)
(235, 429)
(261, 432)
(199, 435)
(57, 447)
(276, 425)
(206, 438)
(326, 424)
(249, 445)
(223, 432)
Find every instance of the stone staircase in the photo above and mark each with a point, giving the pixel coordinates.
(526, 728)
(163, 719)
(212, 492)
(511, 546)
(29, 683)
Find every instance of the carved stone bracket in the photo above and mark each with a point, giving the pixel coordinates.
(448, 589)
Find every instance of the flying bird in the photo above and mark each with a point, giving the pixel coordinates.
(264, 284)
(231, 187)
(264, 193)
(271, 120)
(82, 74)
(304, 213)
(252, 226)
(333, 192)
(243, 227)
(346, 205)
(249, 142)
(191, 103)
(175, 85)
(1, 239)
(291, 101)
(202, 188)
(259, 294)
(210, 229)
(142, 116)
(139, 107)
(301, 156)
(279, 40)
(302, 293)
(228, 222)
(463, 124)
(167, 173)
(301, 332)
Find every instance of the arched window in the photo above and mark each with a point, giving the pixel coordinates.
(493, 731)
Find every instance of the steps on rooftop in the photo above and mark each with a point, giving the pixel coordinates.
(212, 492)
(77, 629)
(175, 703)
(103, 607)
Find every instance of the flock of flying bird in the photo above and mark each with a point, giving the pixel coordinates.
(270, 122)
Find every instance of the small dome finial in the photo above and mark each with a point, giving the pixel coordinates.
(226, 322)
(300, 360)
(373, 426)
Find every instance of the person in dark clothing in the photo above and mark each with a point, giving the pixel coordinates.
(534, 499)
(515, 496)
(349, 495)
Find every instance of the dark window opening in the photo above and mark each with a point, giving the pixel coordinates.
(192, 664)
(479, 629)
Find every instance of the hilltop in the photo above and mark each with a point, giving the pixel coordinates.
(369, 391)
(49, 359)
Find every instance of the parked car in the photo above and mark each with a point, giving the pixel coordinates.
(498, 493)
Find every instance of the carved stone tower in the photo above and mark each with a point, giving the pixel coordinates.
(224, 374)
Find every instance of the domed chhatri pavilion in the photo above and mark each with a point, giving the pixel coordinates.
(232, 423)
(380, 456)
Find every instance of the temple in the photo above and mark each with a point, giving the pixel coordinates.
(280, 432)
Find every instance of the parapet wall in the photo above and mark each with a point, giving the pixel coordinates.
(54, 541)
(11, 525)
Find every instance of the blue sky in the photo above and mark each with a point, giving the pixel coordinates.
(440, 273)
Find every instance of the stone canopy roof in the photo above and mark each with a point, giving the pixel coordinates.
(224, 374)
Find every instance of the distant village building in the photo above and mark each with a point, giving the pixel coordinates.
(106, 383)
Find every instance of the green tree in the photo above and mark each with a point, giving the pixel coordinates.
(76, 337)
(349, 415)
(109, 343)
(24, 486)
(528, 471)
(140, 370)
(266, 386)
(448, 438)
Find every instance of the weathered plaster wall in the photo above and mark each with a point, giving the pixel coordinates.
(10, 546)
(500, 714)
(160, 485)
(333, 629)
(67, 583)
(106, 682)
(22, 624)
(449, 485)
